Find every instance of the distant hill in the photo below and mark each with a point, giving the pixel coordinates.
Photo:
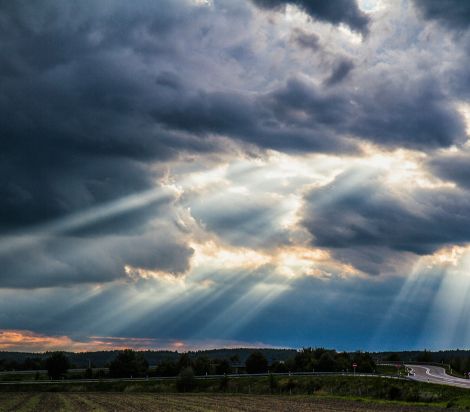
(103, 358)
(444, 356)
(239, 355)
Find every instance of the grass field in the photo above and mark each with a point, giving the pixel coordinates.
(101, 402)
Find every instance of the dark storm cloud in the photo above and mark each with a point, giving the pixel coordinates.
(454, 14)
(76, 133)
(250, 119)
(419, 116)
(453, 167)
(95, 95)
(358, 213)
(386, 114)
(67, 260)
(333, 11)
(340, 71)
(306, 40)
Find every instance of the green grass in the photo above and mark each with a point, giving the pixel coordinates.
(362, 387)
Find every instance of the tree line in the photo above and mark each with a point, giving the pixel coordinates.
(133, 364)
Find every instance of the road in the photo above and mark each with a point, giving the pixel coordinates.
(436, 374)
(423, 373)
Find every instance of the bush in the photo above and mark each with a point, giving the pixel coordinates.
(394, 393)
(223, 385)
(272, 383)
(186, 381)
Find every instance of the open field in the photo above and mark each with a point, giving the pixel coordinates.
(303, 393)
(101, 402)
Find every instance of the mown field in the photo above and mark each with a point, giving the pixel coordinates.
(101, 402)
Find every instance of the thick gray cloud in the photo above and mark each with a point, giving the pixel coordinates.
(94, 94)
(340, 71)
(306, 40)
(68, 260)
(454, 167)
(97, 97)
(385, 114)
(102, 100)
(335, 12)
(454, 14)
(78, 133)
(361, 220)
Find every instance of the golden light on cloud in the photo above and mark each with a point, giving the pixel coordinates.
(211, 177)
(447, 257)
(213, 255)
(136, 273)
(12, 339)
(29, 341)
(401, 168)
(289, 261)
(303, 261)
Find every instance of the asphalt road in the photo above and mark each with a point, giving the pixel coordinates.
(436, 374)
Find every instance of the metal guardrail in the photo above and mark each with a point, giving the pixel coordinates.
(201, 377)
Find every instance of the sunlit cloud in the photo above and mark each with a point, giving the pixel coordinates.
(464, 110)
(209, 255)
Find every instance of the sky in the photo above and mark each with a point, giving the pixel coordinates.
(191, 174)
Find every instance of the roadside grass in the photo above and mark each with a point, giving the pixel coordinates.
(360, 389)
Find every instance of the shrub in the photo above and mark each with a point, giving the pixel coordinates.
(186, 381)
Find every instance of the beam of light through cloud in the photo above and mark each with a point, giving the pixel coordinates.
(187, 171)
(238, 314)
(447, 322)
(439, 288)
(78, 220)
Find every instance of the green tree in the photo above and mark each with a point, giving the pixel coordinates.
(393, 357)
(202, 365)
(128, 364)
(186, 380)
(425, 356)
(365, 362)
(57, 364)
(184, 362)
(167, 367)
(326, 363)
(222, 367)
(256, 363)
(279, 367)
(305, 360)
